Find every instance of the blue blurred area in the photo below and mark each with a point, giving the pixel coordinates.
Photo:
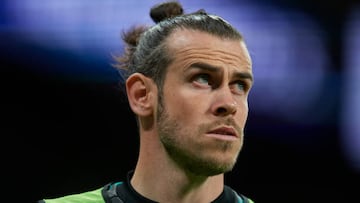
(350, 119)
(63, 105)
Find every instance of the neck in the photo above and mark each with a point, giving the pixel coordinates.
(158, 178)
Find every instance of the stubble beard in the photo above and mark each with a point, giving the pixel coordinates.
(171, 135)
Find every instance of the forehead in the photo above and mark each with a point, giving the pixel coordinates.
(188, 45)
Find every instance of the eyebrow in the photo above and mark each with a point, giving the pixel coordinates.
(211, 68)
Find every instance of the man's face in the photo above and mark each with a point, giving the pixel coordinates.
(204, 108)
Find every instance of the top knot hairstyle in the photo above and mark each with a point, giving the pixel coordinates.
(146, 51)
(166, 10)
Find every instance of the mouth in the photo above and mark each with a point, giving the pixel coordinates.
(223, 133)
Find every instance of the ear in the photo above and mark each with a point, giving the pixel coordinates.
(140, 91)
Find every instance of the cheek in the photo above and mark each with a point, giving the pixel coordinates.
(242, 112)
(184, 106)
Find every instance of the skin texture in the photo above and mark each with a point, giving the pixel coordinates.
(191, 137)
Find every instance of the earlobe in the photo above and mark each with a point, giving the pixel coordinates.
(139, 91)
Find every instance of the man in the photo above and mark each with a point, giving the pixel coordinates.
(187, 80)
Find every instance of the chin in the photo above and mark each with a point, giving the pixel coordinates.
(212, 167)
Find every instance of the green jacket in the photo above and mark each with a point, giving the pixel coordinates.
(124, 193)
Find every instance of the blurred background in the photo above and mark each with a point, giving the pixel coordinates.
(66, 127)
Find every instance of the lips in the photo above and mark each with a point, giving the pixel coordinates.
(225, 131)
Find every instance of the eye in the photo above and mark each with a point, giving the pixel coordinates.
(202, 79)
(239, 87)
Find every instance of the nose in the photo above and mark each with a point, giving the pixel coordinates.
(224, 103)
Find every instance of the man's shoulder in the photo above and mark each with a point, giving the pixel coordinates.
(241, 198)
(244, 199)
(93, 196)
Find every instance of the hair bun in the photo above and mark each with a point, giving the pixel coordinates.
(166, 10)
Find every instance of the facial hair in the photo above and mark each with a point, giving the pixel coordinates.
(174, 139)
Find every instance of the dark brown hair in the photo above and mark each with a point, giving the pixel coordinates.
(146, 51)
